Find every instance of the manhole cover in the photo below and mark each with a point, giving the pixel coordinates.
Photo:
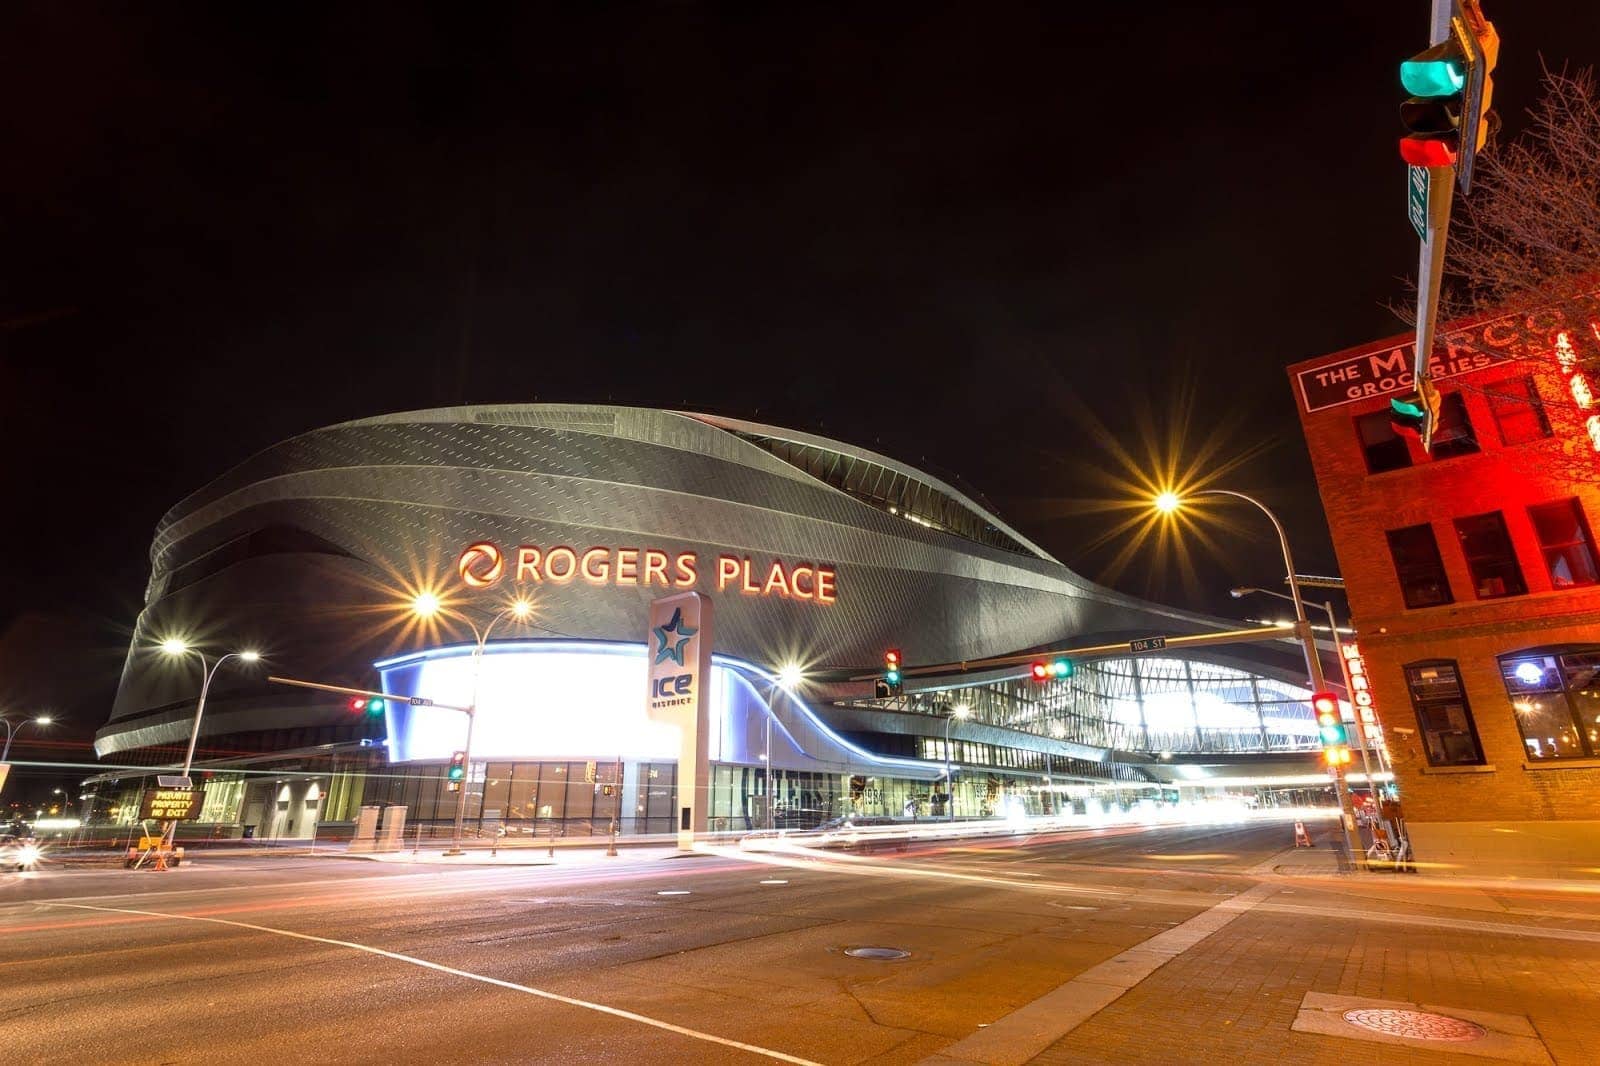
(877, 953)
(1416, 1024)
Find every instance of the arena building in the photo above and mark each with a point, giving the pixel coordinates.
(817, 555)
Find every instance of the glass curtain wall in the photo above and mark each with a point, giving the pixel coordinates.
(1145, 704)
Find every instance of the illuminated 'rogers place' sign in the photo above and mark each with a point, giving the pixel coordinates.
(484, 565)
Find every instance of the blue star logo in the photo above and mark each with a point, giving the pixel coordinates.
(672, 638)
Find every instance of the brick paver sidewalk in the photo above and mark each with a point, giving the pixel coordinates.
(1234, 996)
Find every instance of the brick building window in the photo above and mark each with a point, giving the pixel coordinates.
(1565, 542)
(1518, 411)
(1555, 702)
(1449, 736)
(1383, 447)
(1418, 566)
(1453, 435)
(1490, 557)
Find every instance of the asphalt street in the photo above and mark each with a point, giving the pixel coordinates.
(723, 957)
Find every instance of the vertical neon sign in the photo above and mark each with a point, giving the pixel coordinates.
(1361, 693)
(1578, 383)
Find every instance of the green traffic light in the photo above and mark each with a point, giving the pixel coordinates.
(1406, 407)
(457, 773)
(1433, 77)
(1061, 668)
(374, 707)
(1333, 735)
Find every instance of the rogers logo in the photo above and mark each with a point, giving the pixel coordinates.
(480, 565)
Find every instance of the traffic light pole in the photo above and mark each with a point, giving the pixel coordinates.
(1430, 262)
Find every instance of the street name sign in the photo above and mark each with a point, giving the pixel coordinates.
(1417, 200)
(174, 781)
(1147, 644)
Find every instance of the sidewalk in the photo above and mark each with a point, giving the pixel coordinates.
(1325, 862)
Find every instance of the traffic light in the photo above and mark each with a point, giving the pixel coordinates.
(1407, 415)
(1330, 724)
(1478, 119)
(1437, 81)
(372, 705)
(457, 772)
(1051, 669)
(891, 670)
(1450, 91)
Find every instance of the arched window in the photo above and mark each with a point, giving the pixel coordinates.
(1449, 736)
(1555, 698)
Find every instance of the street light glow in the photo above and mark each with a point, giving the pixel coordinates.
(43, 719)
(250, 656)
(174, 646)
(790, 675)
(521, 608)
(425, 604)
(962, 711)
(1167, 502)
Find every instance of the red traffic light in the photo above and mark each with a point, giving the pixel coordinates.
(1427, 153)
(1041, 671)
(1325, 703)
(358, 703)
(892, 657)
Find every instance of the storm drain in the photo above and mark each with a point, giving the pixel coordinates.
(1416, 1025)
(884, 954)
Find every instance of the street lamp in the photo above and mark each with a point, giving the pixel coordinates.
(426, 605)
(963, 712)
(1168, 503)
(12, 728)
(174, 647)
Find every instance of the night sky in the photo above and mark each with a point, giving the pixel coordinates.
(995, 241)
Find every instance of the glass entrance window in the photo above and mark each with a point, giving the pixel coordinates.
(1490, 557)
(1556, 701)
(1565, 543)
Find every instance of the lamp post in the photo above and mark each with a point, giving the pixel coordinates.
(1349, 688)
(13, 728)
(963, 712)
(427, 605)
(177, 647)
(1168, 503)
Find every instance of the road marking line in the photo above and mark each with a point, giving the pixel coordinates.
(1030, 1029)
(556, 997)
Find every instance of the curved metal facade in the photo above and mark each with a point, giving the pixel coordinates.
(306, 549)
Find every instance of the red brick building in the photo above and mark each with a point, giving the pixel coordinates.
(1474, 581)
